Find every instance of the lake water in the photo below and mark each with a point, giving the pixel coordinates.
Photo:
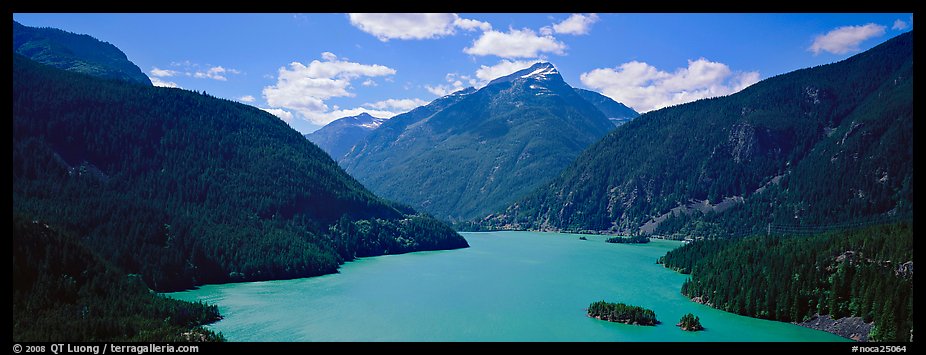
(508, 286)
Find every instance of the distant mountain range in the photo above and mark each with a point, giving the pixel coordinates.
(339, 136)
(820, 146)
(475, 151)
(615, 111)
(76, 53)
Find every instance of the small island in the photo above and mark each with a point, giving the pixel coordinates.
(622, 313)
(583, 238)
(690, 322)
(637, 239)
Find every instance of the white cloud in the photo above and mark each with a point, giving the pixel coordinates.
(185, 63)
(369, 82)
(158, 82)
(504, 67)
(524, 43)
(246, 98)
(577, 24)
(644, 87)
(191, 69)
(471, 25)
(454, 82)
(900, 25)
(328, 56)
(442, 90)
(162, 72)
(403, 105)
(281, 113)
(336, 114)
(413, 26)
(845, 39)
(304, 88)
(215, 73)
(383, 109)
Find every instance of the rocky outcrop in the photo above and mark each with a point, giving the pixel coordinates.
(853, 328)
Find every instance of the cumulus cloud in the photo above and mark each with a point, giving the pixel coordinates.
(341, 113)
(155, 71)
(281, 113)
(402, 105)
(328, 56)
(471, 25)
(504, 67)
(194, 70)
(413, 26)
(246, 98)
(523, 43)
(383, 109)
(304, 88)
(900, 25)
(845, 39)
(454, 82)
(369, 82)
(216, 73)
(645, 88)
(162, 83)
(577, 24)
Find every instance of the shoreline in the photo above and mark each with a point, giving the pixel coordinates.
(851, 328)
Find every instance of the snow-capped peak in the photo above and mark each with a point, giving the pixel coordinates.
(362, 120)
(541, 71)
(538, 71)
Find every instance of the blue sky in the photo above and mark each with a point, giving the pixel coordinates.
(310, 69)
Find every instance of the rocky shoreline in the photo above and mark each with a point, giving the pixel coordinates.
(853, 328)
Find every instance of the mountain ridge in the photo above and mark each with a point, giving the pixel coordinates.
(617, 112)
(764, 145)
(469, 152)
(339, 136)
(75, 52)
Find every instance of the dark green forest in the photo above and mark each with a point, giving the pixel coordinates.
(690, 322)
(637, 239)
(864, 272)
(66, 292)
(185, 189)
(622, 313)
(818, 146)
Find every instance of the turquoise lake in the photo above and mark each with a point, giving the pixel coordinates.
(507, 286)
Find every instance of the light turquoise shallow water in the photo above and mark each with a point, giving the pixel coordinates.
(508, 286)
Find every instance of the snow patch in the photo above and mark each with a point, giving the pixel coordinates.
(371, 125)
(541, 73)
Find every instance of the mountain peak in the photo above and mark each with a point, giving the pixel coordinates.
(538, 71)
(339, 136)
(364, 120)
(466, 91)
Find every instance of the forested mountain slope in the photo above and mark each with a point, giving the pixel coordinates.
(476, 151)
(185, 189)
(818, 146)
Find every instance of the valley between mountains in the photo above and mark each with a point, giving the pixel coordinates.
(793, 196)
